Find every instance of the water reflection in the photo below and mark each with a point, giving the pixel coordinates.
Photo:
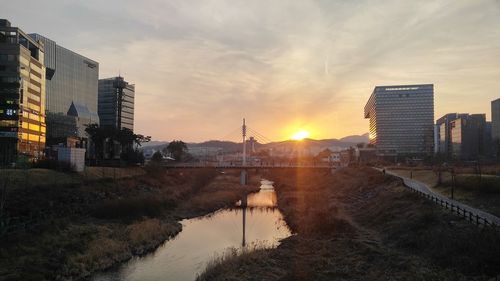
(185, 256)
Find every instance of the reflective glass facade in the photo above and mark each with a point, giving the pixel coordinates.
(402, 119)
(22, 95)
(468, 136)
(116, 103)
(71, 78)
(444, 124)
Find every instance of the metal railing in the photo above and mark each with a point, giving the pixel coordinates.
(458, 210)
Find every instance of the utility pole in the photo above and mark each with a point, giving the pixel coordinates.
(244, 211)
(243, 175)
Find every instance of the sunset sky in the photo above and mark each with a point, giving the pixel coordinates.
(201, 66)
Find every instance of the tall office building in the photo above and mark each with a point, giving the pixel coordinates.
(495, 120)
(468, 137)
(22, 94)
(116, 103)
(402, 120)
(72, 87)
(443, 133)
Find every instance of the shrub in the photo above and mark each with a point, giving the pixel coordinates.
(131, 208)
(53, 164)
(157, 157)
(202, 178)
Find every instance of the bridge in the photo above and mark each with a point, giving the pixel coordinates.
(217, 166)
(243, 164)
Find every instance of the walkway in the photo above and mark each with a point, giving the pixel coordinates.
(438, 198)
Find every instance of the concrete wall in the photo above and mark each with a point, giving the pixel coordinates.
(72, 155)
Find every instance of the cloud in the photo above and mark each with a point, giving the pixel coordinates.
(201, 66)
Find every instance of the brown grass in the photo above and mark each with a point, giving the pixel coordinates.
(479, 192)
(135, 215)
(149, 233)
(359, 225)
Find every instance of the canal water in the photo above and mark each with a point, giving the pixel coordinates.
(203, 238)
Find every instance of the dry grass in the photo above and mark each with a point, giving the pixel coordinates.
(479, 192)
(133, 208)
(28, 178)
(428, 177)
(136, 215)
(233, 261)
(222, 192)
(360, 225)
(149, 233)
(102, 252)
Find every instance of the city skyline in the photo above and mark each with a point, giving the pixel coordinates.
(286, 66)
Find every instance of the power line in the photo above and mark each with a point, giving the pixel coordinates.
(259, 135)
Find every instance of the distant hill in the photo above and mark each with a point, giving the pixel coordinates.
(229, 146)
(325, 143)
(355, 138)
(154, 143)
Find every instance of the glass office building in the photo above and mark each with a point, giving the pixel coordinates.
(116, 103)
(444, 133)
(22, 95)
(72, 81)
(468, 136)
(402, 120)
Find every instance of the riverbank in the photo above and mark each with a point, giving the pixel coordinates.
(72, 230)
(358, 224)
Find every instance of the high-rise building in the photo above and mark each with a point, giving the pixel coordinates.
(464, 136)
(443, 133)
(72, 87)
(116, 103)
(495, 120)
(22, 94)
(402, 120)
(468, 136)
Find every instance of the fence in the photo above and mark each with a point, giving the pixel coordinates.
(458, 210)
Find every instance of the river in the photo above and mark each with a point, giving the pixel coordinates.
(203, 238)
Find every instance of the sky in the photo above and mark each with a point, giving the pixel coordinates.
(200, 66)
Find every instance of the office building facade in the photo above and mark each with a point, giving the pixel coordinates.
(72, 83)
(116, 103)
(468, 137)
(495, 120)
(443, 133)
(402, 120)
(464, 136)
(22, 95)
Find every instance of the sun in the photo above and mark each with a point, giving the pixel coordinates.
(300, 135)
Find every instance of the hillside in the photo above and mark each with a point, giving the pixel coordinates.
(230, 146)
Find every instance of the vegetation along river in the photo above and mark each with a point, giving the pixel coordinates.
(259, 224)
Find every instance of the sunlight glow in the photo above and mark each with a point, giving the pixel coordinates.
(300, 135)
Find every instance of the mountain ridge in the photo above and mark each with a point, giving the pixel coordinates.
(236, 146)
